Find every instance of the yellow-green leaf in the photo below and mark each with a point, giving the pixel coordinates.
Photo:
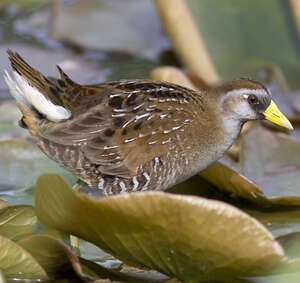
(191, 238)
(225, 178)
(52, 254)
(15, 262)
(17, 221)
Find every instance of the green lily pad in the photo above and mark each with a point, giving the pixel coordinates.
(17, 222)
(16, 262)
(240, 35)
(53, 255)
(163, 231)
(225, 178)
(60, 262)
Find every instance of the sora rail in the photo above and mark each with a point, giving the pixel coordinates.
(134, 135)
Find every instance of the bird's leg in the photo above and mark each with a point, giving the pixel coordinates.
(73, 239)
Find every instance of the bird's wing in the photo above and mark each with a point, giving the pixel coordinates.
(133, 124)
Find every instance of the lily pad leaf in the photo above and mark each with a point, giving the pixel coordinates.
(17, 222)
(191, 238)
(53, 255)
(16, 262)
(60, 261)
(225, 178)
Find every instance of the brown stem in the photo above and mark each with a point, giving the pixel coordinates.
(295, 7)
(186, 38)
(172, 75)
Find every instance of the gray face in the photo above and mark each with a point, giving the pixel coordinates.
(259, 103)
(249, 104)
(244, 100)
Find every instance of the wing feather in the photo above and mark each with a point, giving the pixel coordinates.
(131, 126)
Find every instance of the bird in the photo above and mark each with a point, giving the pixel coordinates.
(134, 135)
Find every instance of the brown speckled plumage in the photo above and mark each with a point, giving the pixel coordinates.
(130, 135)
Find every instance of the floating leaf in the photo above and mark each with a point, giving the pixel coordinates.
(60, 262)
(163, 231)
(15, 262)
(17, 222)
(53, 255)
(227, 179)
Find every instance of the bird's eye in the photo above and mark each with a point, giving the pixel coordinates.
(252, 99)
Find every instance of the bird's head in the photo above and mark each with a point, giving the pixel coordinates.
(244, 100)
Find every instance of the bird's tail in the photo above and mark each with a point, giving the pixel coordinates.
(35, 94)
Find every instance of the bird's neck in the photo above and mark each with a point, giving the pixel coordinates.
(232, 128)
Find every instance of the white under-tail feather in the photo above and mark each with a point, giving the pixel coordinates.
(23, 92)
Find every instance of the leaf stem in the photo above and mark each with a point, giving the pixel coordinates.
(186, 38)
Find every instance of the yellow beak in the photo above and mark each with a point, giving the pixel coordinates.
(274, 115)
